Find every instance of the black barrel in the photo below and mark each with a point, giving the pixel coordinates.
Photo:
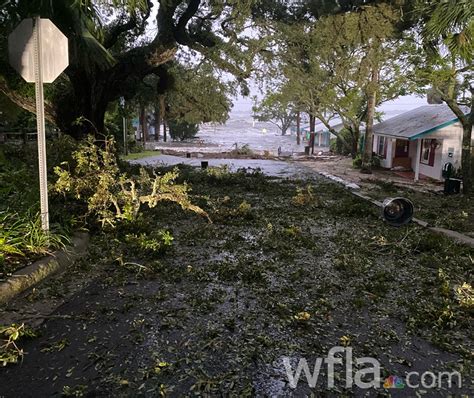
(397, 211)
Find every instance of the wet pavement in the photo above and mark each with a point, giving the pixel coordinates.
(287, 269)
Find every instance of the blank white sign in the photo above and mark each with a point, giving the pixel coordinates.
(54, 50)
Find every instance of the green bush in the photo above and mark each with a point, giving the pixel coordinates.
(357, 162)
(376, 162)
(244, 150)
(22, 236)
(180, 130)
(341, 144)
(136, 147)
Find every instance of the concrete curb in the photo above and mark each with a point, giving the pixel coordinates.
(41, 269)
(458, 237)
(454, 235)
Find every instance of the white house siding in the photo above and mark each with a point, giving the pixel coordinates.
(449, 137)
(387, 162)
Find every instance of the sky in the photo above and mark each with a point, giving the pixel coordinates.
(392, 108)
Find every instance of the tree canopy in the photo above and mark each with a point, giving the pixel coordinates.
(111, 53)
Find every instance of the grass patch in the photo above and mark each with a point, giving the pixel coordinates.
(455, 212)
(22, 240)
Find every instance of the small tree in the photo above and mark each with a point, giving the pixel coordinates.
(275, 108)
(342, 66)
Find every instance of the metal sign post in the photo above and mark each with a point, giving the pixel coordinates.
(41, 126)
(125, 138)
(39, 52)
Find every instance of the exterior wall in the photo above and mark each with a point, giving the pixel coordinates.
(412, 153)
(387, 162)
(449, 137)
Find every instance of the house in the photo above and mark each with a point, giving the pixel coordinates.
(422, 140)
(323, 136)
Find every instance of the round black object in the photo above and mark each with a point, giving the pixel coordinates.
(397, 211)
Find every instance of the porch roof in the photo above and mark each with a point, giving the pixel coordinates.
(420, 121)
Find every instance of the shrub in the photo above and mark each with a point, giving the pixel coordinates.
(180, 130)
(376, 162)
(244, 150)
(135, 147)
(357, 162)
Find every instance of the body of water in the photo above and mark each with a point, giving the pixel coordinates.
(242, 130)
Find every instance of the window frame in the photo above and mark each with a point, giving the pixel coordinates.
(382, 151)
(428, 152)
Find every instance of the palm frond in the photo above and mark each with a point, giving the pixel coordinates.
(452, 23)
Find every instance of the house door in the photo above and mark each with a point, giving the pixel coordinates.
(402, 148)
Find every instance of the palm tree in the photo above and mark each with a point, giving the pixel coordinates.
(448, 32)
(450, 21)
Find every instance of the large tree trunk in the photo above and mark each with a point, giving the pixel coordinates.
(298, 131)
(369, 131)
(466, 163)
(312, 123)
(355, 132)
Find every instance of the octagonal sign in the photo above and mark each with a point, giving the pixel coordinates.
(53, 49)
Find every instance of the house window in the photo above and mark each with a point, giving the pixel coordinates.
(428, 148)
(381, 150)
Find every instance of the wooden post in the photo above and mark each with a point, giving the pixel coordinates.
(298, 128)
(157, 122)
(417, 160)
(369, 130)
